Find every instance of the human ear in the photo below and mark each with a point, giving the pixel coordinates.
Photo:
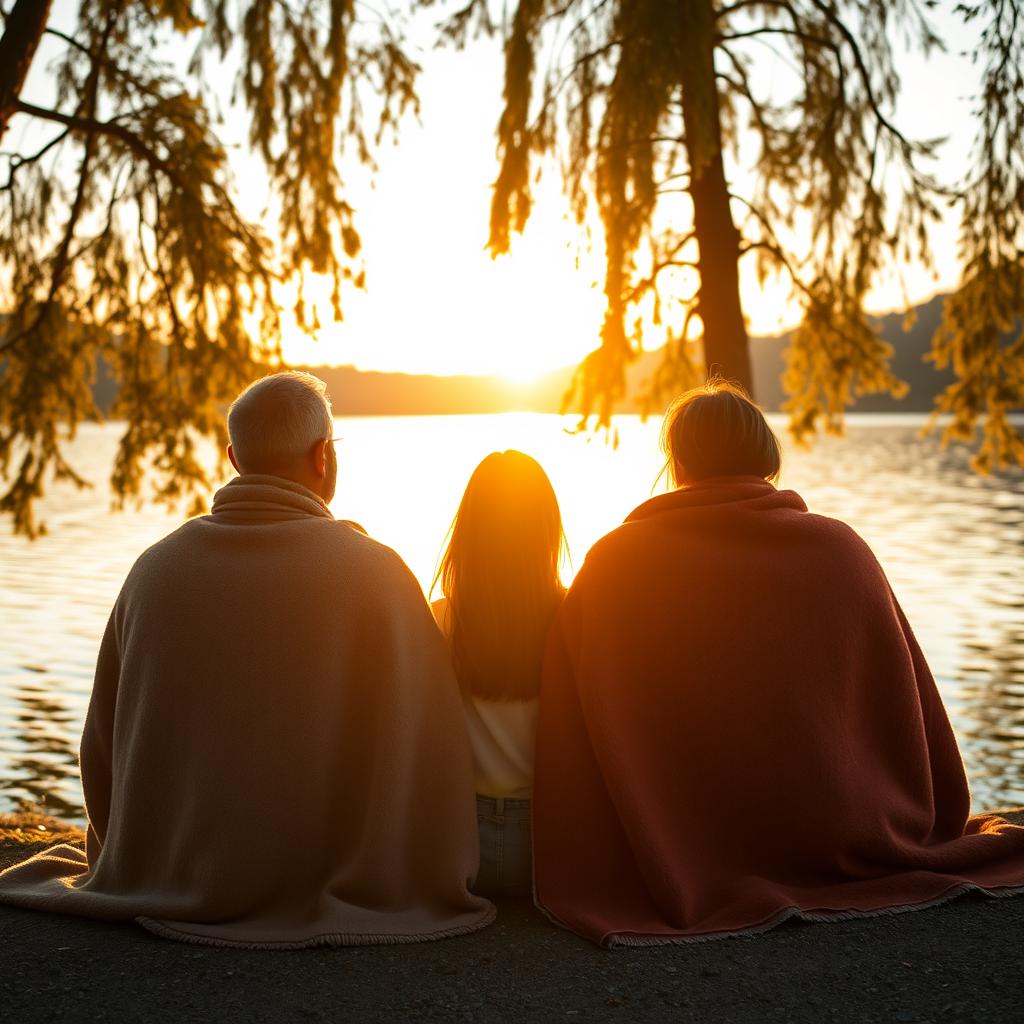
(320, 458)
(233, 460)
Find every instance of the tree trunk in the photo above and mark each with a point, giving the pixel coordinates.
(726, 346)
(22, 32)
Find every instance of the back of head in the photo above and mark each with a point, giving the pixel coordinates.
(715, 430)
(500, 573)
(277, 419)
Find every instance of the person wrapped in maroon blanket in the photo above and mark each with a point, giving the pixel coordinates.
(737, 725)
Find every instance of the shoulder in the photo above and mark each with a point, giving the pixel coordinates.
(843, 545)
(344, 549)
(616, 548)
(440, 611)
(332, 543)
(836, 533)
(379, 572)
(792, 529)
(377, 556)
(167, 549)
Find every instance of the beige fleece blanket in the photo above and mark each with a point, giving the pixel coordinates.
(265, 663)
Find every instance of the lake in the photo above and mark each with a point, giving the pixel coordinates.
(951, 542)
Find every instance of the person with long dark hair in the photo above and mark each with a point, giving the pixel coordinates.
(500, 576)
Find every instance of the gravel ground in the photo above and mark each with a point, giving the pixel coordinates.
(963, 961)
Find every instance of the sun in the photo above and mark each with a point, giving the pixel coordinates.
(440, 304)
(521, 376)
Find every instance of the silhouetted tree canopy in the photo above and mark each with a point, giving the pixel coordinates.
(122, 234)
(695, 162)
(982, 332)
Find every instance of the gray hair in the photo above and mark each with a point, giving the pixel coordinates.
(279, 418)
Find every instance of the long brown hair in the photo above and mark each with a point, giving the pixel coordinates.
(501, 576)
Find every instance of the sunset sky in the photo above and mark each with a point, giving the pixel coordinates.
(437, 303)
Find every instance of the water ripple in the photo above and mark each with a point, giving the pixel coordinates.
(951, 542)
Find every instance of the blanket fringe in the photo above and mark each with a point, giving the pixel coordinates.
(814, 916)
(167, 931)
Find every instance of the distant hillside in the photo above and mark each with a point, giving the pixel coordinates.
(369, 393)
(355, 393)
(366, 393)
(908, 363)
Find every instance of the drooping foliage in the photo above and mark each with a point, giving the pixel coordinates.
(982, 331)
(124, 237)
(661, 114)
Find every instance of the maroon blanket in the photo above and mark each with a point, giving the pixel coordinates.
(738, 726)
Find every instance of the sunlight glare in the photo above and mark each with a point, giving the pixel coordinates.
(518, 316)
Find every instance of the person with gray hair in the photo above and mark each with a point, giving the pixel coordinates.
(267, 664)
(281, 425)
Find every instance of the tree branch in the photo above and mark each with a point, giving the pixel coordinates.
(774, 246)
(17, 162)
(858, 58)
(110, 129)
(61, 261)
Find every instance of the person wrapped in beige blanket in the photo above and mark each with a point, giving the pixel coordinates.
(274, 753)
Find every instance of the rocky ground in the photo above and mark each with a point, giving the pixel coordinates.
(963, 961)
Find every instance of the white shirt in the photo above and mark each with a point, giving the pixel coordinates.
(502, 736)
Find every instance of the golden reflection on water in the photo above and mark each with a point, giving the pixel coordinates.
(951, 542)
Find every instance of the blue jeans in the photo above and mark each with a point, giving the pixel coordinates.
(506, 857)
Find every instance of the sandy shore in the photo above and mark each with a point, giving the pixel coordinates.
(962, 961)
